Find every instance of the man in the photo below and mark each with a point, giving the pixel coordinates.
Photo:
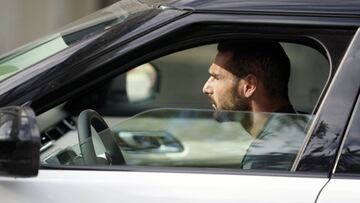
(253, 76)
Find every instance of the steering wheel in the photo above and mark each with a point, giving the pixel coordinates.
(86, 119)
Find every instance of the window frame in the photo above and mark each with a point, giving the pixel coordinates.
(337, 106)
(348, 135)
(351, 62)
(173, 33)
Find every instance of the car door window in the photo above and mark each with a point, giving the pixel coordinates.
(202, 138)
(349, 160)
(159, 116)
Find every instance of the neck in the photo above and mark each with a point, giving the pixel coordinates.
(268, 105)
(254, 122)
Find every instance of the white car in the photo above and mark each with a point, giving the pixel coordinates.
(120, 116)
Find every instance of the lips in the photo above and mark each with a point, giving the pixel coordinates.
(212, 102)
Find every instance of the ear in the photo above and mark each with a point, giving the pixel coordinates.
(250, 83)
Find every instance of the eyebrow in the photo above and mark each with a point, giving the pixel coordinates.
(214, 74)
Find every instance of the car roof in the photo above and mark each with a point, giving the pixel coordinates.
(326, 7)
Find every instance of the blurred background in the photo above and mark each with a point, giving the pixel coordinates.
(23, 21)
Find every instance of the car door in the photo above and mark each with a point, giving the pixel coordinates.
(177, 184)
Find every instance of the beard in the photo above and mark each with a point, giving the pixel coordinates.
(224, 109)
(239, 102)
(232, 102)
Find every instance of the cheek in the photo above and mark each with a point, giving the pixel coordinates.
(220, 88)
(226, 87)
(223, 91)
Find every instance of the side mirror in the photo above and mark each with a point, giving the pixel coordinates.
(19, 142)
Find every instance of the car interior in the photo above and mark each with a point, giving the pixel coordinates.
(158, 115)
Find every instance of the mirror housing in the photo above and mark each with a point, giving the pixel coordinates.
(19, 142)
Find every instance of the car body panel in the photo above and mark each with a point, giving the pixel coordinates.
(340, 190)
(328, 7)
(125, 186)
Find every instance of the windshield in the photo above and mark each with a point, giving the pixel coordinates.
(80, 30)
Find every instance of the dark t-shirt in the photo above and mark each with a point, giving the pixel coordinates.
(279, 141)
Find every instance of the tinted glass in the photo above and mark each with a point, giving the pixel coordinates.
(349, 161)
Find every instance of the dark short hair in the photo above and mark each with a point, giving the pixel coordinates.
(266, 60)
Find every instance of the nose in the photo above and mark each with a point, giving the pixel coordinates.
(207, 89)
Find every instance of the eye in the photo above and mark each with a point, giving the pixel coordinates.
(216, 77)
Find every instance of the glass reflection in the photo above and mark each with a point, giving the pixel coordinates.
(201, 138)
(349, 161)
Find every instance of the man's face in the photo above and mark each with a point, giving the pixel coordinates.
(224, 88)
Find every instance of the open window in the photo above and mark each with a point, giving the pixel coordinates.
(159, 116)
(178, 79)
